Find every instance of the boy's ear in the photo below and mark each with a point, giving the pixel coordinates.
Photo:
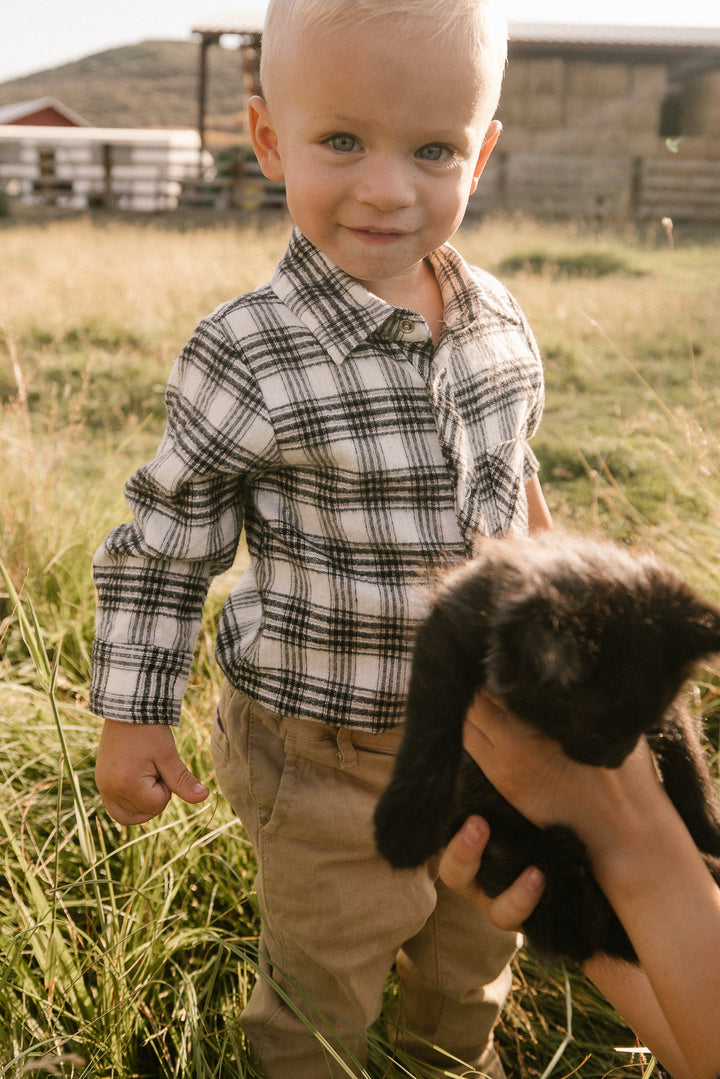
(264, 139)
(491, 136)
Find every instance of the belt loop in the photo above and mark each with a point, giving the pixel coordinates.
(347, 756)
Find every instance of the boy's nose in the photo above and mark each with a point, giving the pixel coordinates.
(386, 184)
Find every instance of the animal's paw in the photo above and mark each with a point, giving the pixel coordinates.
(408, 830)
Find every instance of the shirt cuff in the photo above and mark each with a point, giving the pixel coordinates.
(138, 683)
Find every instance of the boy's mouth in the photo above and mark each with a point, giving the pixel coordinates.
(378, 235)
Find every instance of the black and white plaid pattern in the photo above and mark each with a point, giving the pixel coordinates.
(356, 456)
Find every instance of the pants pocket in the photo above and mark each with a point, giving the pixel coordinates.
(272, 768)
(219, 742)
(255, 762)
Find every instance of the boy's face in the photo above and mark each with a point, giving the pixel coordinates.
(380, 140)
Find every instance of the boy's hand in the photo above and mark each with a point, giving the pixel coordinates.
(138, 770)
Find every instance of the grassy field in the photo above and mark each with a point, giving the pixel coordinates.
(130, 952)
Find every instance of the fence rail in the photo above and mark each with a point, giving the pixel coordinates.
(601, 187)
(81, 168)
(156, 177)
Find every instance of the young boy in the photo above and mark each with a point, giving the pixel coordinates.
(365, 416)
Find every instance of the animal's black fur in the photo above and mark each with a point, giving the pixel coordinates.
(592, 646)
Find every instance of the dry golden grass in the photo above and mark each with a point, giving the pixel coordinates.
(92, 314)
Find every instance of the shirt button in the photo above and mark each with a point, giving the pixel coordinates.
(407, 325)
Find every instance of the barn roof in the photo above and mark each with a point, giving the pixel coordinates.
(538, 35)
(614, 36)
(687, 51)
(186, 137)
(16, 112)
(549, 33)
(248, 29)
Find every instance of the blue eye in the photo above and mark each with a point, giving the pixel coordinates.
(343, 144)
(433, 152)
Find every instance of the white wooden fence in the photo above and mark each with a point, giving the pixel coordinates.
(124, 169)
(137, 169)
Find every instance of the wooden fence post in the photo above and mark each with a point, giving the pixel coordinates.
(108, 198)
(636, 187)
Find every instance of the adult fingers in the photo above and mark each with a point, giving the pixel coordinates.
(460, 864)
(461, 858)
(513, 907)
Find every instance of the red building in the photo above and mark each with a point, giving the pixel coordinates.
(41, 112)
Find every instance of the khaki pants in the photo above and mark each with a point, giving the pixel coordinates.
(335, 916)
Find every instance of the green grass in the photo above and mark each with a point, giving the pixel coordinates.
(124, 952)
(130, 952)
(584, 263)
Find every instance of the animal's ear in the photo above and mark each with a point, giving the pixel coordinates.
(691, 624)
(704, 629)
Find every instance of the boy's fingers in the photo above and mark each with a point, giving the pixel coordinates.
(153, 793)
(135, 799)
(179, 780)
(126, 812)
(152, 796)
(138, 769)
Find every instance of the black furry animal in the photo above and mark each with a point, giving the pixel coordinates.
(590, 645)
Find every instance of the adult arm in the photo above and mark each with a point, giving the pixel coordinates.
(669, 904)
(648, 866)
(539, 517)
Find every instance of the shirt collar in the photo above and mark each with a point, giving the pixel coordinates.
(337, 310)
(342, 314)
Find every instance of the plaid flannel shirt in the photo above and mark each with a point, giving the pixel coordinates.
(356, 455)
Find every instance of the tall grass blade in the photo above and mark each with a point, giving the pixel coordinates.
(32, 636)
(560, 1052)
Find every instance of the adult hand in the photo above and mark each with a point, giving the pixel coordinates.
(533, 773)
(460, 863)
(138, 770)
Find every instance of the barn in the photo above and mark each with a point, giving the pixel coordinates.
(609, 122)
(41, 112)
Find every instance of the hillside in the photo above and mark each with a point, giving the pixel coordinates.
(151, 84)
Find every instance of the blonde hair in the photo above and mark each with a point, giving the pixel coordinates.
(481, 22)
